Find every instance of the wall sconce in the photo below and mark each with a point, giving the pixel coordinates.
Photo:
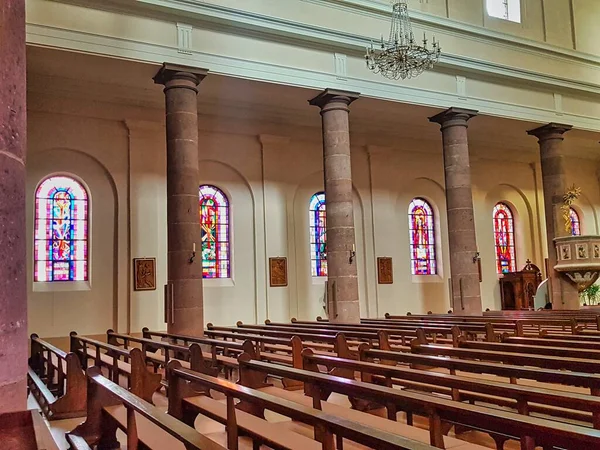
(352, 254)
(193, 253)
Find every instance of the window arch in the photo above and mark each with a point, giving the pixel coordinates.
(504, 238)
(214, 224)
(318, 232)
(575, 223)
(61, 230)
(422, 237)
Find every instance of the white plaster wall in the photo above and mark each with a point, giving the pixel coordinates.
(91, 151)
(269, 180)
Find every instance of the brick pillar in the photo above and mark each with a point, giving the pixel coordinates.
(342, 279)
(13, 288)
(462, 242)
(563, 293)
(184, 297)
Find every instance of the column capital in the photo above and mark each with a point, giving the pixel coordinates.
(551, 130)
(329, 96)
(454, 116)
(175, 75)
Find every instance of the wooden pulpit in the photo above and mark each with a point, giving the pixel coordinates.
(517, 289)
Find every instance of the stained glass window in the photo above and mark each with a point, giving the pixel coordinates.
(575, 226)
(214, 221)
(422, 237)
(61, 230)
(504, 238)
(318, 239)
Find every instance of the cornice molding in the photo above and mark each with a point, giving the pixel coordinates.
(374, 8)
(260, 71)
(301, 34)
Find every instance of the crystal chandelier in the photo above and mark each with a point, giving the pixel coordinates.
(401, 56)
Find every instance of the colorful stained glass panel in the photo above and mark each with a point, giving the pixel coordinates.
(504, 238)
(422, 238)
(575, 225)
(61, 230)
(318, 235)
(214, 221)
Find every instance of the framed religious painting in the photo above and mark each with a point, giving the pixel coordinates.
(278, 272)
(144, 274)
(385, 270)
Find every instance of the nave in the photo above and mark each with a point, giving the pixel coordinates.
(509, 380)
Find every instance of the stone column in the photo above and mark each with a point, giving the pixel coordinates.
(342, 279)
(462, 242)
(563, 293)
(184, 297)
(13, 288)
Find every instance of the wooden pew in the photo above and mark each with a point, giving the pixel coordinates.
(421, 346)
(141, 382)
(501, 425)
(561, 342)
(552, 321)
(401, 335)
(573, 380)
(160, 352)
(185, 404)
(440, 327)
(56, 380)
(111, 407)
(523, 399)
(538, 350)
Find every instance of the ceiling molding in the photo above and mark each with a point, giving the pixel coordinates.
(249, 23)
(293, 76)
(376, 8)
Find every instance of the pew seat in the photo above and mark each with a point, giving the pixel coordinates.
(519, 381)
(150, 435)
(259, 429)
(370, 420)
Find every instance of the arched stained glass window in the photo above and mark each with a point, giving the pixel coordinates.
(575, 225)
(422, 238)
(318, 239)
(61, 230)
(504, 238)
(214, 221)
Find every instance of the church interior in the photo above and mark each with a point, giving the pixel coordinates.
(299, 224)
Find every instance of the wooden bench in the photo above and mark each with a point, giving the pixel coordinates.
(560, 342)
(501, 425)
(185, 404)
(128, 363)
(539, 350)
(431, 328)
(56, 380)
(222, 353)
(421, 346)
(111, 407)
(572, 381)
(523, 399)
(399, 337)
(159, 353)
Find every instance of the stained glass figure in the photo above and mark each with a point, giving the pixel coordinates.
(575, 226)
(422, 238)
(61, 230)
(318, 235)
(504, 238)
(214, 221)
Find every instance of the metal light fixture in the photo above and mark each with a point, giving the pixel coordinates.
(401, 56)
